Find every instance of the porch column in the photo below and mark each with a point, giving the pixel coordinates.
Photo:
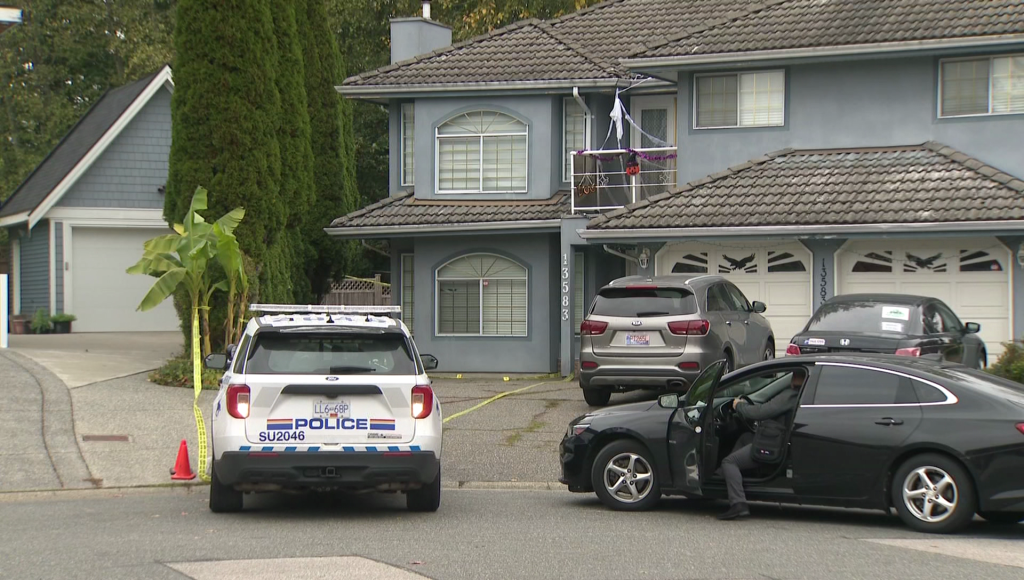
(823, 268)
(566, 293)
(1016, 244)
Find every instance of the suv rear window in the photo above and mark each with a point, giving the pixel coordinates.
(278, 353)
(868, 317)
(641, 302)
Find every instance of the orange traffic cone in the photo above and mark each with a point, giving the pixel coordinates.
(182, 469)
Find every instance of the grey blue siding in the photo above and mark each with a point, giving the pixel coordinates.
(131, 169)
(34, 277)
(58, 263)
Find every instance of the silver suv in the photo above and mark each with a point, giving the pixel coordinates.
(661, 332)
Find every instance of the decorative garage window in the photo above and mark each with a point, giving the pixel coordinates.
(481, 295)
(920, 262)
(408, 140)
(981, 86)
(979, 261)
(407, 290)
(784, 262)
(740, 100)
(874, 262)
(482, 151)
(693, 263)
(738, 262)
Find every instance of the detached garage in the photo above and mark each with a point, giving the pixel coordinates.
(81, 217)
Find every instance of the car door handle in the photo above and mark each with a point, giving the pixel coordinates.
(746, 322)
(888, 421)
(728, 323)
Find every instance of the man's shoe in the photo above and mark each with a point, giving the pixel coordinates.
(738, 510)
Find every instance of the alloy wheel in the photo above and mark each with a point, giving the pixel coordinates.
(628, 477)
(930, 494)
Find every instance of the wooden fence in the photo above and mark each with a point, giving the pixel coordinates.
(359, 292)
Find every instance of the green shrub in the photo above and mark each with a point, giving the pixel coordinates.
(63, 318)
(41, 321)
(177, 372)
(1011, 363)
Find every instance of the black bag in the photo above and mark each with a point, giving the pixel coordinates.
(769, 442)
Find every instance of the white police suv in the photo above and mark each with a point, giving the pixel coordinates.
(325, 398)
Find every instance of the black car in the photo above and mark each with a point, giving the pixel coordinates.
(891, 324)
(937, 441)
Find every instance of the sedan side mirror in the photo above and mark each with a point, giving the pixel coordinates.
(972, 328)
(760, 307)
(670, 401)
(216, 361)
(429, 361)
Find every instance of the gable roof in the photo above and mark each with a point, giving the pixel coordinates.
(76, 151)
(403, 213)
(884, 186)
(775, 25)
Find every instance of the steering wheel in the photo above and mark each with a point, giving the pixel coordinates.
(728, 410)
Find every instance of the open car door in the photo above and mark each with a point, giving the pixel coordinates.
(687, 428)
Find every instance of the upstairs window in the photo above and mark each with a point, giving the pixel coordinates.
(482, 152)
(740, 100)
(981, 86)
(575, 133)
(408, 134)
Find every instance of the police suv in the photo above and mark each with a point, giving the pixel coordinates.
(325, 398)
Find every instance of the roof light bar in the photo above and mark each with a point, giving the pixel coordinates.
(323, 309)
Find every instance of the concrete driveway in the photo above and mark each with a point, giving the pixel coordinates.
(87, 358)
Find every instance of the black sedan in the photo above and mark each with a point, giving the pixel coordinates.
(891, 324)
(937, 441)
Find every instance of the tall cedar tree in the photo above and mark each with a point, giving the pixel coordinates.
(290, 252)
(225, 113)
(333, 149)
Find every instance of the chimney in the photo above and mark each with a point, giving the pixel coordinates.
(411, 37)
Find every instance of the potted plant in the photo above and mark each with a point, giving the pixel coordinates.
(41, 321)
(62, 322)
(19, 324)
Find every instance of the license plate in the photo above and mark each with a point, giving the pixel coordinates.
(638, 340)
(332, 409)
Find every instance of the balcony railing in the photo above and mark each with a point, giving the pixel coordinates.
(610, 179)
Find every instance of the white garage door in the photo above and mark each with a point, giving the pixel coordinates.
(103, 296)
(971, 275)
(776, 274)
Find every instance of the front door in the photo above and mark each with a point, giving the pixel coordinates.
(843, 440)
(687, 429)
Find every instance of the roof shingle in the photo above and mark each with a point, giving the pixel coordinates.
(405, 210)
(896, 185)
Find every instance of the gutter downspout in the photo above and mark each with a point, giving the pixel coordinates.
(622, 255)
(582, 103)
(373, 249)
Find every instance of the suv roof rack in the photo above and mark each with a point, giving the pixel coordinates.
(324, 309)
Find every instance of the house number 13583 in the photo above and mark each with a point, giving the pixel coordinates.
(565, 286)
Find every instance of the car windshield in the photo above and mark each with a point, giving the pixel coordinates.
(759, 388)
(641, 302)
(866, 317)
(280, 353)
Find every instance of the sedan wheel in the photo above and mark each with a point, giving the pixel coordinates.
(932, 493)
(624, 478)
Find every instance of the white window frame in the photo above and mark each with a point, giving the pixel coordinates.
(480, 281)
(785, 90)
(480, 189)
(408, 315)
(406, 180)
(991, 63)
(566, 158)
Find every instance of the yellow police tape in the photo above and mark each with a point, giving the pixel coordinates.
(197, 381)
(496, 397)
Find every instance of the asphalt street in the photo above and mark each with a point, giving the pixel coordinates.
(477, 534)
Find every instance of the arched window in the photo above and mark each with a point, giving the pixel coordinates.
(481, 151)
(481, 295)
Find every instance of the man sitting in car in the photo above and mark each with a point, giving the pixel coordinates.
(778, 407)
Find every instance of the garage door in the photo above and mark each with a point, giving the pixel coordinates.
(776, 274)
(971, 275)
(103, 296)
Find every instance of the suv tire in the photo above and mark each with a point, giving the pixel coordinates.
(223, 498)
(596, 397)
(426, 498)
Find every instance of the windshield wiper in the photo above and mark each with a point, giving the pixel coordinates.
(651, 313)
(351, 370)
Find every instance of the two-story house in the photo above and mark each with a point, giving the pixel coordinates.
(800, 148)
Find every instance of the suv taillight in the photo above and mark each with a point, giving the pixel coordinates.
(792, 349)
(689, 327)
(592, 327)
(238, 401)
(1020, 427)
(912, 351)
(422, 401)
